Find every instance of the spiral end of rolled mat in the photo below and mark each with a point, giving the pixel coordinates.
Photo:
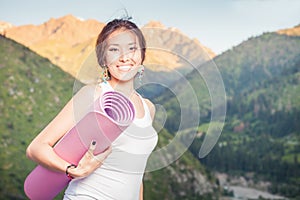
(117, 107)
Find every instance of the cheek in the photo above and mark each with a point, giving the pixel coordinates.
(111, 57)
(138, 57)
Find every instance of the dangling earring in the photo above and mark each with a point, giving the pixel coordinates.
(105, 76)
(141, 74)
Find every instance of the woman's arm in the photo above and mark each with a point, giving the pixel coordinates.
(41, 148)
(141, 192)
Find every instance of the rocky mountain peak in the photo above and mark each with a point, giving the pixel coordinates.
(4, 26)
(295, 31)
(71, 29)
(154, 24)
(68, 41)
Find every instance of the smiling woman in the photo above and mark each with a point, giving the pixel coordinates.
(123, 55)
(121, 47)
(116, 173)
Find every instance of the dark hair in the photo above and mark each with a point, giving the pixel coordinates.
(112, 26)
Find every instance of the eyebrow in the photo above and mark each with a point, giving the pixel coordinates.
(131, 43)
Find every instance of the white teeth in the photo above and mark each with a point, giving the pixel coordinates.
(125, 68)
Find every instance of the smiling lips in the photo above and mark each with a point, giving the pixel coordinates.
(124, 68)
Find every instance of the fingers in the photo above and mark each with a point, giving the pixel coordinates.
(92, 146)
(102, 156)
(89, 162)
(107, 151)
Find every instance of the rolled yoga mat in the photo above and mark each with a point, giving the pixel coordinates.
(111, 115)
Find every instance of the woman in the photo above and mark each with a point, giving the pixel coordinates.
(117, 172)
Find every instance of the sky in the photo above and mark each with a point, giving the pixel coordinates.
(217, 24)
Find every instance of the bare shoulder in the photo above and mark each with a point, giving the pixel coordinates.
(151, 107)
(91, 92)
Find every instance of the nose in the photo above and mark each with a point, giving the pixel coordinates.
(125, 56)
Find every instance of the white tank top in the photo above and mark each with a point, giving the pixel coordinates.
(120, 176)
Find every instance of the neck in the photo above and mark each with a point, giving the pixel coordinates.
(125, 87)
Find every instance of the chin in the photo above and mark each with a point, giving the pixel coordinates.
(126, 77)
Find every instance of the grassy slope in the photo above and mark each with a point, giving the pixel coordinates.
(33, 91)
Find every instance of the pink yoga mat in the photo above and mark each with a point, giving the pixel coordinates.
(112, 114)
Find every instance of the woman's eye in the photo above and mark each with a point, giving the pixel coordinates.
(133, 48)
(113, 49)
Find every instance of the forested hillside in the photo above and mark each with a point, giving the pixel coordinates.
(32, 91)
(262, 132)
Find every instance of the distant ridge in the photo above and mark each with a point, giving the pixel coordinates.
(295, 31)
(190, 48)
(64, 41)
(68, 41)
(4, 26)
(70, 29)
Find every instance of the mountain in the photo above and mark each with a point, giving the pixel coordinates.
(4, 26)
(245, 67)
(33, 92)
(171, 41)
(65, 41)
(295, 31)
(261, 131)
(69, 43)
(260, 138)
(256, 60)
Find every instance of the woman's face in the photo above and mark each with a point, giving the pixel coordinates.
(123, 55)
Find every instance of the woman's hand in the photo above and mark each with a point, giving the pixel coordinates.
(89, 162)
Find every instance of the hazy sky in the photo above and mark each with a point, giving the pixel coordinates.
(218, 24)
